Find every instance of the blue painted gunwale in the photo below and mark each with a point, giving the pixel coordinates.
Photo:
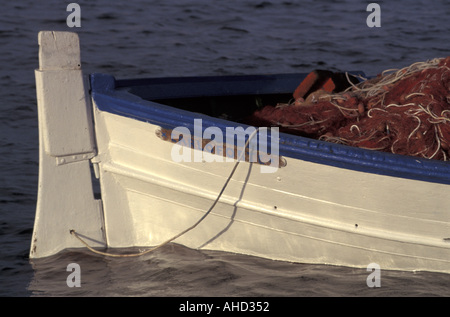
(114, 96)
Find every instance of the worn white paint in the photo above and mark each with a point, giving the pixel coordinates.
(65, 196)
(305, 212)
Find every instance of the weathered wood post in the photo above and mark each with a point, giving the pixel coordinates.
(66, 144)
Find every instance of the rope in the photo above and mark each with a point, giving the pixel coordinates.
(75, 234)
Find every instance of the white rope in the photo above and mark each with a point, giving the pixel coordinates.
(74, 233)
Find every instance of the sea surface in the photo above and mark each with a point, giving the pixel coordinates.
(131, 39)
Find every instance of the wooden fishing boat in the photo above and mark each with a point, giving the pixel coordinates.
(320, 203)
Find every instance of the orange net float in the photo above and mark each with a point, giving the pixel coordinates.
(404, 111)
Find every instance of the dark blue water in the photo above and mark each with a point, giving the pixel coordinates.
(180, 38)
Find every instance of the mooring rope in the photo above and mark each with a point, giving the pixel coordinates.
(75, 234)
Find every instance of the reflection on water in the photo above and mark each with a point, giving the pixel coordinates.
(175, 270)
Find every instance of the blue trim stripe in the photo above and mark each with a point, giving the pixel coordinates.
(114, 96)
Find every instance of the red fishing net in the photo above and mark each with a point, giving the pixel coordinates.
(405, 111)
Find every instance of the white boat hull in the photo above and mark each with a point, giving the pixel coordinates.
(305, 212)
(355, 212)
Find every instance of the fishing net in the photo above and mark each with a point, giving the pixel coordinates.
(403, 111)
